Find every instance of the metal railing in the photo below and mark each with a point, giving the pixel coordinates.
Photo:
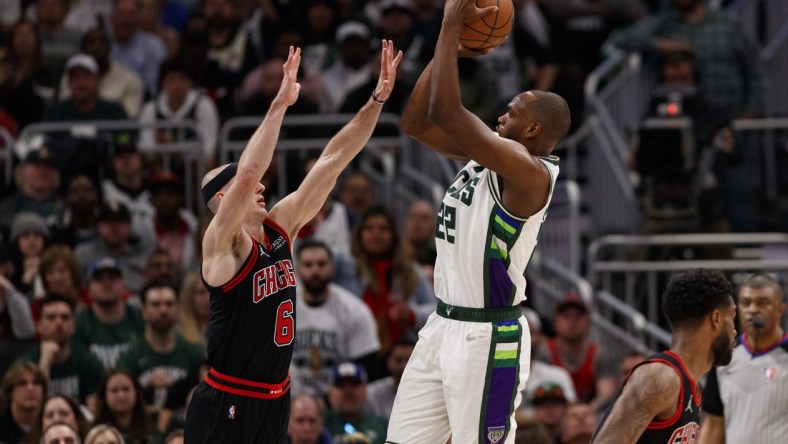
(559, 236)
(190, 151)
(762, 19)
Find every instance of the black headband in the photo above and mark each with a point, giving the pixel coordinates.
(214, 185)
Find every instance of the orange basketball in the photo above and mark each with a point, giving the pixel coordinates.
(490, 30)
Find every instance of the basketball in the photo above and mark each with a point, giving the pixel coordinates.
(489, 31)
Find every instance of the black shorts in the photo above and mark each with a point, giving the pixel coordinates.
(216, 416)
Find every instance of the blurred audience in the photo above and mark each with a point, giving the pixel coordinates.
(134, 48)
(348, 405)
(580, 421)
(24, 387)
(550, 406)
(77, 224)
(175, 227)
(16, 320)
(37, 181)
(381, 393)
(104, 434)
(195, 301)
(126, 183)
(419, 231)
(59, 409)
(84, 103)
(121, 404)
(349, 69)
(306, 422)
(29, 236)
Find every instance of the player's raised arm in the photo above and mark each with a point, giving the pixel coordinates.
(295, 210)
(652, 391)
(231, 202)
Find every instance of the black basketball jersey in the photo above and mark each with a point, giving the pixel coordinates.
(253, 315)
(684, 426)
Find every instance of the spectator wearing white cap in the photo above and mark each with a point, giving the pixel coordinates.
(349, 70)
(82, 72)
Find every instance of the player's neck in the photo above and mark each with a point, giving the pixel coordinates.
(255, 229)
(694, 354)
(760, 341)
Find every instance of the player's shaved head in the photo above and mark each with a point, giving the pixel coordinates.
(553, 112)
(212, 204)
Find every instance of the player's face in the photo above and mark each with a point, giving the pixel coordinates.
(765, 302)
(315, 270)
(376, 236)
(56, 322)
(120, 394)
(160, 309)
(57, 410)
(512, 124)
(722, 348)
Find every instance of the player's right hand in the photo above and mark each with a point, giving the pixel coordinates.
(288, 91)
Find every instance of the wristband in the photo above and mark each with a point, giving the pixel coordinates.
(376, 100)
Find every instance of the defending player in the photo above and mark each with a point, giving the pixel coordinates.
(470, 365)
(247, 267)
(660, 401)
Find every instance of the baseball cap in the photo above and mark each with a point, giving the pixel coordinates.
(348, 370)
(28, 223)
(104, 264)
(114, 211)
(165, 179)
(350, 29)
(123, 143)
(82, 61)
(40, 155)
(390, 5)
(571, 300)
(547, 391)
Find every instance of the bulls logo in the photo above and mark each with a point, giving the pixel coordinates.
(273, 278)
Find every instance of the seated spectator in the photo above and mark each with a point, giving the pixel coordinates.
(180, 101)
(61, 275)
(121, 405)
(134, 48)
(127, 184)
(116, 82)
(571, 349)
(70, 368)
(104, 434)
(175, 227)
(349, 69)
(59, 39)
(195, 301)
(59, 409)
(306, 422)
(29, 236)
(388, 281)
(348, 399)
(60, 433)
(37, 180)
(580, 422)
(356, 97)
(109, 326)
(85, 104)
(531, 433)
(78, 222)
(357, 193)
(381, 393)
(24, 386)
(261, 85)
(333, 324)
(116, 240)
(161, 357)
(160, 267)
(550, 404)
(152, 22)
(419, 231)
(16, 320)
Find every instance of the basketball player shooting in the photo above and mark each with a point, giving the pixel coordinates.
(247, 267)
(471, 362)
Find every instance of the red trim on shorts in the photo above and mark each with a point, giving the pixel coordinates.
(244, 271)
(272, 391)
(669, 422)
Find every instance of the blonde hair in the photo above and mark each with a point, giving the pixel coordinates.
(99, 430)
(187, 321)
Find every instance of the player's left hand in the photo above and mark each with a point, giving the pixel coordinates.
(464, 11)
(388, 70)
(288, 90)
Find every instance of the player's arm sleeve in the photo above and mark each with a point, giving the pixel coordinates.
(712, 402)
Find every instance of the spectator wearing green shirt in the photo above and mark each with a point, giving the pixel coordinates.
(349, 413)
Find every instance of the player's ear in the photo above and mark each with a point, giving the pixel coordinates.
(715, 317)
(533, 129)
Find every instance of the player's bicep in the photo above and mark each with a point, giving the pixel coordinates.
(430, 135)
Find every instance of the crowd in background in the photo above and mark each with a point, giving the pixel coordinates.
(103, 314)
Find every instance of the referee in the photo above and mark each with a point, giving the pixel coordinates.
(747, 401)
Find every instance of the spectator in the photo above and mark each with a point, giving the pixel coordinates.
(333, 324)
(134, 48)
(161, 357)
(579, 424)
(121, 405)
(29, 235)
(745, 401)
(349, 70)
(151, 22)
(175, 226)
(59, 39)
(37, 181)
(180, 101)
(399, 23)
(26, 82)
(319, 21)
(84, 104)
(16, 321)
(358, 96)
(261, 85)
(24, 386)
(116, 82)
(381, 393)
(357, 193)
(306, 422)
(127, 185)
(110, 324)
(160, 267)
(389, 282)
(60, 433)
(582, 358)
(59, 409)
(78, 222)
(115, 240)
(348, 399)
(61, 275)
(627, 363)
(420, 231)
(194, 318)
(104, 434)
(550, 405)
(542, 372)
(532, 432)
(70, 368)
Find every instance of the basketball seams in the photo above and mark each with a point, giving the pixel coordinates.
(475, 38)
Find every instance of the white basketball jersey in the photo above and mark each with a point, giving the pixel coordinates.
(482, 248)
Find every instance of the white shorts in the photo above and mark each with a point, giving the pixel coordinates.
(464, 381)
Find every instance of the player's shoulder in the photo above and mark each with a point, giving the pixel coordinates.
(657, 374)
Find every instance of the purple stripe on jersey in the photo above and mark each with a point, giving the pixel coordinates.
(499, 403)
(500, 284)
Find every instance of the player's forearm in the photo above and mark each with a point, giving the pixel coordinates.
(445, 85)
(259, 151)
(414, 117)
(349, 141)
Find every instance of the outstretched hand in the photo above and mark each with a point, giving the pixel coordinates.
(464, 11)
(288, 91)
(388, 70)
